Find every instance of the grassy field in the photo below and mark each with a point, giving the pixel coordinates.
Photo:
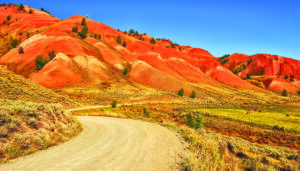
(289, 119)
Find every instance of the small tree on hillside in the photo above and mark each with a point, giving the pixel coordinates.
(125, 72)
(131, 31)
(180, 92)
(173, 45)
(284, 92)
(124, 44)
(114, 104)
(27, 35)
(8, 17)
(152, 41)
(30, 11)
(190, 121)
(136, 33)
(51, 54)
(83, 22)
(14, 43)
(193, 95)
(21, 7)
(40, 62)
(292, 78)
(99, 36)
(20, 34)
(75, 29)
(21, 50)
(248, 76)
(83, 32)
(119, 39)
(199, 122)
(146, 113)
(299, 92)
(286, 77)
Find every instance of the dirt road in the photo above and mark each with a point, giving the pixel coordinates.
(109, 144)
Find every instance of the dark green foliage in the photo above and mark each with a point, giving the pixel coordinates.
(21, 50)
(8, 17)
(224, 61)
(114, 104)
(125, 72)
(20, 33)
(27, 35)
(146, 113)
(199, 122)
(119, 39)
(248, 76)
(299, 92)
(292, 78)
(4, 22)
(193, 95)
(136, 33)
(21, 7)
(42, 9)
(179, 48)
(75, 29)
(173, 45)
(125, 32)
(6, 34)
(83, 22)
(286, 77)
(190, 121)
(20, 40)
(180, 92)
(95, 36)
(250, 61)
(14, 43)
(51, 55)
(83, 32)
(143, 39)
(124, 44)
(99, 36)
(40, 62)
(152, 41)
(30, 11)
(284, 92)
(223, 57)
(131, 31)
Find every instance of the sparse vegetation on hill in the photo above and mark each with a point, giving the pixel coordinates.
(21, 7)
(27, 127)
(180, 92)
(83, 22)
(119, 39)
(27, 35)
(193, 95)
(40, 62)
(284, 93)
(146, 113)
(114, 104)
(152, 41)
(125, 72)
(83, 33)
(75, 29)
(21, 50)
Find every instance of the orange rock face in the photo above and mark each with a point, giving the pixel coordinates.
(163, 65)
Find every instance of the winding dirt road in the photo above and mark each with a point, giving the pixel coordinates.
(109, 144)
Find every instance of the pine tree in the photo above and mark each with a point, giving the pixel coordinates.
(152, 41)
(131, 31)
(119, 39)
(83, 32)
(284, 92)
(124, 44)
(180, 92)
(51, 54)
(75, 29)
(30, 11)
(199, 122)
(193, 95)
(27, 35)
(114, 104)
(125, 72)
(83, 23)
(8, 17)
(190, 121)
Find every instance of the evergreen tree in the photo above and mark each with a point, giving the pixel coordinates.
(8, 17)
(284, 92)
(292, 78)
(27, 35)
(199, 122)
(51, 55)
(99, 36)
(21, 7)
(146, 112)
(173, 45)
(125, 72)
(14, 43)
(299, 92)
(20, 33)
(136, 33)
(83, 23)
(119, 39)
(190, 121)
(75, 29)
(124, 44)
(30, 11)
(40, 62)
(180, 92)
(83, 32)
(21, 50)
(114, 104)
(152, 41)
(131, 31)
(193, 95)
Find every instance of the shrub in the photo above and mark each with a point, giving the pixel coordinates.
(224, 61)
(83, 22)
(124, 44)
(14, 43)
(173, 45)
(21, 7)
(119, 39)
(20, 34)
(248, 76)
(147, 113)
(152, 41)
(180, 92)
(40, 62)
(284, 92)
(51, 54)
(125, 72)
(223, 57)
(199, 122)
(99, 36)
(190, 121)
(136, 33)
(114, 104)
(8, 17)
(21, 50)
(179, 48)
(125, 32)
(193, 95)
(4, 22)
(299, 92)
(30, 11)
(83, 32)
(27, 35)
(292, 78)
(75, 29)
(131, 31)
(286, 77)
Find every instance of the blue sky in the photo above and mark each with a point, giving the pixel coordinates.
(219, 26)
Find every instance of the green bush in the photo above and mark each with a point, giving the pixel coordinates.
(99, 36)
(8, 17)
(27, 35)
(83, 32)
(40, 62)
(21, 50)
(83, 22)
(131, 31)
(4, 22)
(180, 92)
(299, 92)
(248, 76)
(125, 72)
(173, 45)
(223, 57)
(20, 34)
(136, 33)
(21, 7)
(146, 113)
(190, 121)
(119, 39)
(14, 43)
(286, 77)
(30, 11)
(199, 122)
(124, 44)
(51, 54)
(75, 29)
(292, 78)
(284, 92)
(114, 104)
(152, 41)
(193, 95)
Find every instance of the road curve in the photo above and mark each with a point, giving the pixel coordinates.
(109, 144)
